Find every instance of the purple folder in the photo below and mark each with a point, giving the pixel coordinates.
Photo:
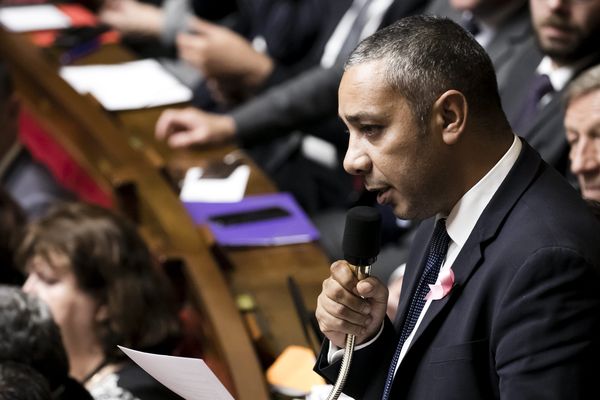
(294, 228)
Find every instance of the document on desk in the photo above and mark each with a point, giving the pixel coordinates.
(127, 86)
(33, 18)
(274, 219)
(223, 190)
(188, 377)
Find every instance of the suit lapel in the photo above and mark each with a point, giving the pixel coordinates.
(514, 89)
(518, 180)
(539, 137)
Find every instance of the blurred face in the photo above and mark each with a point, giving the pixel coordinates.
(482, 7)
(566, 30)
(398, 159)
(73, 310)
(582, 123)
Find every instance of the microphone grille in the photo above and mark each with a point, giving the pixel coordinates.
(362, 235)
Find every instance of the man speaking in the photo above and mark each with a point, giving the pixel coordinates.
(501, 295)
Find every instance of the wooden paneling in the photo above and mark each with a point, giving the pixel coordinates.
(120, 153)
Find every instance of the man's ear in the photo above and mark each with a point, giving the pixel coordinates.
(450, 112)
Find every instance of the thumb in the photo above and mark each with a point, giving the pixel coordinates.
(372, 288)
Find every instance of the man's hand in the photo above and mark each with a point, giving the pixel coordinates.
(130, 17)
(221, 53)
(348, 306)
(191, 126)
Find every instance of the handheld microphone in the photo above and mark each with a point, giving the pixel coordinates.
(362, 237)
(361, 242)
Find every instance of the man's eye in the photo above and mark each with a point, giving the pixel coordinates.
(370, 130)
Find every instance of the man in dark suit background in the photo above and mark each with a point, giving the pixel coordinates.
(305, 103)
(501, 27)
(567, 34)
(504, 302)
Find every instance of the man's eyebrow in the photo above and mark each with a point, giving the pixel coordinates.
(365, 116)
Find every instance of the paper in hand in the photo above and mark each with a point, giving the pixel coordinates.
(188, 377)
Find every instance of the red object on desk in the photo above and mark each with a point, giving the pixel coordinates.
(80, 16)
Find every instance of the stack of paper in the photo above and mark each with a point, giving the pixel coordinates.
(127, 86)
(221, 190)
(33, 18)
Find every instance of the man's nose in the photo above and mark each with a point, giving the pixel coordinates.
(584, 157)
(356, 161)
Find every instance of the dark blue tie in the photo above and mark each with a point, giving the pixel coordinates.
(438, 246)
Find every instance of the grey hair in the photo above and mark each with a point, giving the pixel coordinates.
(426, 56)
(587, 82)
(29, 335)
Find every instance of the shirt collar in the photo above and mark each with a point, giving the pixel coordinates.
(559, 77)
(465, 214)
(376, 11)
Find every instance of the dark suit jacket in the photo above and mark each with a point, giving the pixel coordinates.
(295, 33)
(546, 133)
(307, 98)
(523, 318)
(505, 46)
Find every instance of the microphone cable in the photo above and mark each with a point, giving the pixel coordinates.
(361, 242)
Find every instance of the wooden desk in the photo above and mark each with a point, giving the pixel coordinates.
(119, 151)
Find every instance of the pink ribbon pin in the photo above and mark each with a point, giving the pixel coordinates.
(441, 289)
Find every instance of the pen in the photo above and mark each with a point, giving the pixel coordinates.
(80, 51)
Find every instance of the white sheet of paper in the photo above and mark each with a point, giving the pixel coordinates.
(321, 392)
(188, 377)
(227, 190)
(33, 18)
(127, 86)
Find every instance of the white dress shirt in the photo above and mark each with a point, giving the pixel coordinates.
(459, 225)
(376, 11)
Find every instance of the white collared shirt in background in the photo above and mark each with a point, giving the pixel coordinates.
(376, 11)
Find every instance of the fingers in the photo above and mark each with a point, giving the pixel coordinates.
(182, 128)
(348, 306)
(343, 303)
(340, 310)
(371, 288)
(177, 120)
(336, 320)
(185, 139)
(193, 49)
(163, 125)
